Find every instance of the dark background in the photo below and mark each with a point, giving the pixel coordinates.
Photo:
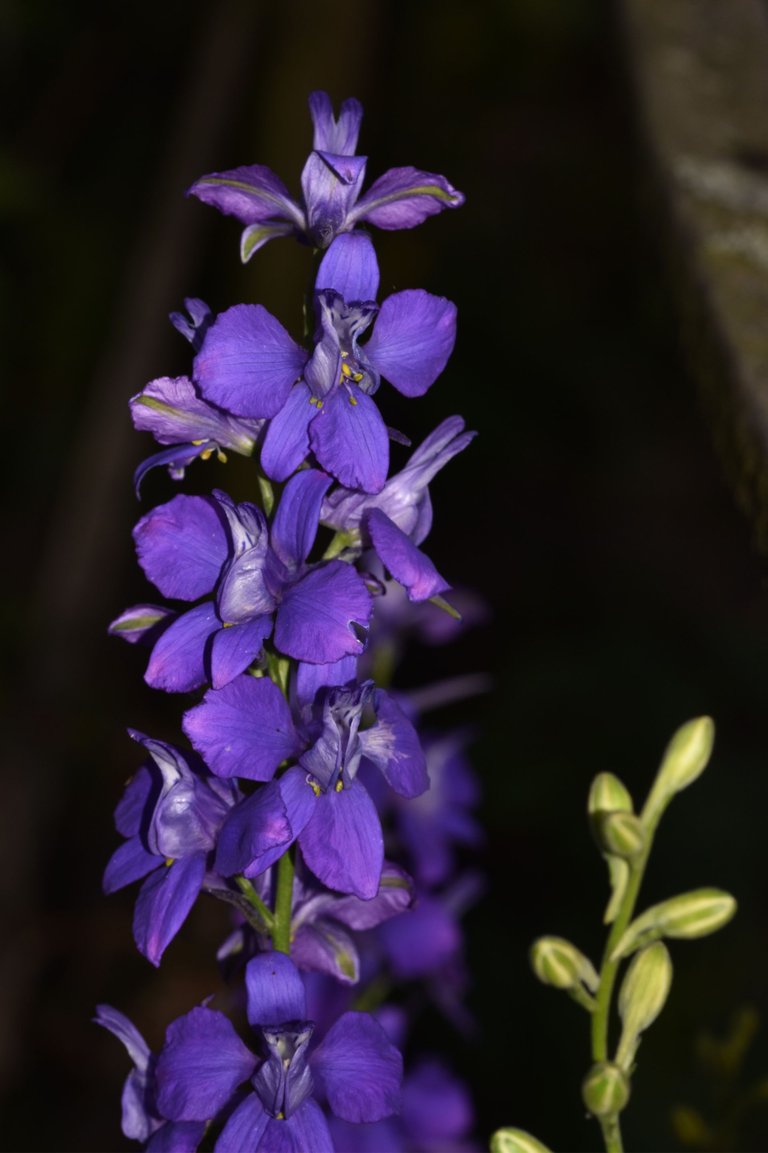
(590, 512)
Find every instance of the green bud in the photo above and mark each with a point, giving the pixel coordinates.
(605, 1090)
(687, 916)
(516, 1141)
(620, 834)
(644, 992)
(685, 759)
(557, 962)
(618, 875)
(607, 794)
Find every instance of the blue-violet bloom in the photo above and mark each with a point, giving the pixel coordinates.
(331, 186)
(203, 1064)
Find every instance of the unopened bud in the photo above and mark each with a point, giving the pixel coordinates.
(607, 794)
(620, 834)
(605, 1089)
(644, 992)
(685, 759)
(557, 962)
(516, 1141)
(688, 916)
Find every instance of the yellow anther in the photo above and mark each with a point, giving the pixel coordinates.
(353, 400)
(346, 370)
(314, 787)
(357, 377)
(339, 786)
(221, 456)
(197, 442)
(168, 862)
(280, 1117)
(207, 454)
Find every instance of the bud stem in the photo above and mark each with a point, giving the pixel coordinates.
(281, 926)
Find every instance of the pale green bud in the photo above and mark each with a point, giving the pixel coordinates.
(557, 962)
(644, 992)
(685, 759)
(605, 1089)
(618, 875)
(607, 794)
(689, 915)
(516, 1141)
(620, 834)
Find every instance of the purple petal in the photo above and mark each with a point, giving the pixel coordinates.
(343, 843)
(177, 663)
(350, 268)
(413, 339)
(359, 1069)
(171, 409)
(125, 1031)
(308, 1129)
(139, 622)
(182, 546)
(394, 747)
(424, 939)
(403, 197)
(177, 1137)
(255, 834)
(255, 236)
(310, 678)
(381, 1135)
(294, 526)
(350, 439)
(331, 184)
(275, 990)
(194, 324)
(248, 362)
(235, 647)
(200, 1066)
(130, 862)
(162, 906)
(244, 1128)
(333, 135)
(322, 616)
(408, 564)
(177, 459)
(394, 896)
(324, 947)
(251, 193)
(286, 443)
(244, 729)
(437, 1109)
(132, 806)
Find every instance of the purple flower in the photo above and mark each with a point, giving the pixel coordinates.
(322, 401)
(193, 546)
(141, 1120)
(170, 813)
(355, 1069)
(436, 1116)
(244, 731)
(331, 186)
(320, 922)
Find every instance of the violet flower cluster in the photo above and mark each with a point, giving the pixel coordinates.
(302, 773)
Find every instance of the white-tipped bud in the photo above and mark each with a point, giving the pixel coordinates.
(685, 759)
(605, 1089)
(607, 794)
(620, 834)
(557, 962)
(687, 916)
(643, 995)
(516, 1141)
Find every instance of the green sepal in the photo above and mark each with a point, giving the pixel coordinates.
(557, 962)
(618, 875)
(605, 1089)
(440, 603)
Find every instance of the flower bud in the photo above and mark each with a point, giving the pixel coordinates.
(607, 794)
(605, 1089)
(684, 760)
(687, 916)
(516, 1141)
(620, 834)
(644, 992)
(557, 962)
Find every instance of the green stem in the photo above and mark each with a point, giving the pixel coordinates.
(247, 889)
(281, 928)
